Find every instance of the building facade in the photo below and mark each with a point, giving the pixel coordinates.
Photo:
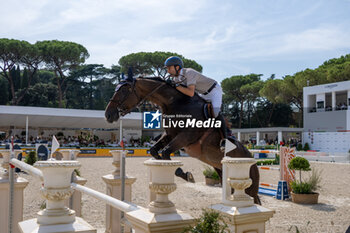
(327, 117)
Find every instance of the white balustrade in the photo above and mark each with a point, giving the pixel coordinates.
(238, 209)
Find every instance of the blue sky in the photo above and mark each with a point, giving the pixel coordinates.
(226, 37)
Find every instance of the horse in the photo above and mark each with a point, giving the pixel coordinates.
(201, 143)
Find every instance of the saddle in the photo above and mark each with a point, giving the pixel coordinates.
(195, 149)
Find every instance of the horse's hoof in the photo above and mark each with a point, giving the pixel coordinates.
(190, 177)
(157, 157)
(222, 145)
(166, 157)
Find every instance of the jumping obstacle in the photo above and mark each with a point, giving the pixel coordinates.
(161, 214)
(268, 189)
(281, 190)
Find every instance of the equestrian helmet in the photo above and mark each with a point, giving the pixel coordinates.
(174, 61)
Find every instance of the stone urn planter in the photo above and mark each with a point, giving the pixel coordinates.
(311, 198)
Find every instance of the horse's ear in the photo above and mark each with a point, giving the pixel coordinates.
(130, 75)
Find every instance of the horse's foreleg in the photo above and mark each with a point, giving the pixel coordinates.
(175, 144)
(160, 144)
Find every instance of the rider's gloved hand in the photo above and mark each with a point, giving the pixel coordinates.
(170, 82)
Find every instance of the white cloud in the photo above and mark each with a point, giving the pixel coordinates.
(18, 14)
(214, 33)
(326, 38)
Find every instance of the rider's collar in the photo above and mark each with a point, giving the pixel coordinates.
(181, 73)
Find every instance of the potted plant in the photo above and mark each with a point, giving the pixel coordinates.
(303, 192)
(211, 176)
(209, 221)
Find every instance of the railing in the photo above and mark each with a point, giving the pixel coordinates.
(28, 168)
(56, 176)
(120, 205)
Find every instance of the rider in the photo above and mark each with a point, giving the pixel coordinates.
(193, 81)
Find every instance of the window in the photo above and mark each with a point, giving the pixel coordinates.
(320, 104)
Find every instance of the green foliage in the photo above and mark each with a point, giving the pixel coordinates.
(4, 94)
(145, 139)
(302, 164)
(272, 90)
(266, 147)
(209, 222)
(277, 159)
(62, 57)
(77, 172)
(315, 179)
(306, 147)
(300, 187)
(241, 89)
(308, 186)
(152, 63)
(15, 53)
(31, 158)
(268, 161)
(40, 95)
(299, 147)
(209, 172)
(299, 163)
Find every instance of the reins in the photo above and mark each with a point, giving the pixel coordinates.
(124, 111)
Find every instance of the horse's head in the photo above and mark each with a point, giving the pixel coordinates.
(123, 100)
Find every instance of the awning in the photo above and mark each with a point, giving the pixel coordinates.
(63, 118)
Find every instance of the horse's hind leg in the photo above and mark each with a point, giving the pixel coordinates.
(184, 175)
(178, 142)
(254, 188)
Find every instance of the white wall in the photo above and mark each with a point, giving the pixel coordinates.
(328, 141)
(134, 133)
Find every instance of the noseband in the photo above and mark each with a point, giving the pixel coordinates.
(123, 111)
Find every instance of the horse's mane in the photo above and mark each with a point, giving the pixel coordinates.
(159, 79)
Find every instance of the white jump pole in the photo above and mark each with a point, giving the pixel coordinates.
(27, 121)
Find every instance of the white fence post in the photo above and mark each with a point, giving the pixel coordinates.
(113, 182)
(56, 217)
(162, 215)
(237, 208)
(74, 202)
(19, 186)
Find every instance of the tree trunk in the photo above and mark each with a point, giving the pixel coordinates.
(59, 91)
(240, 116)
(26, 89)
(269, 120)
(60, 82)
(12, 86)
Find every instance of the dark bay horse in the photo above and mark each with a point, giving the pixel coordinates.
(201, 143)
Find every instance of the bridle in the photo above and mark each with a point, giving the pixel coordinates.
(123, 111)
